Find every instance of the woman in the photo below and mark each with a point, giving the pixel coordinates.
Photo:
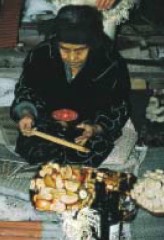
(76, 70)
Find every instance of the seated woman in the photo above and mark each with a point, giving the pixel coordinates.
(76, 70)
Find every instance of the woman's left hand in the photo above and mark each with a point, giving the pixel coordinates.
(104, 4)
(87, 133)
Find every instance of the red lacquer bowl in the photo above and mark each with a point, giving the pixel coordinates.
(65, 115)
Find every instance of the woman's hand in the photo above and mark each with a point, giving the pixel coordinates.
(104, 4)
(25, 125)
(89, 131)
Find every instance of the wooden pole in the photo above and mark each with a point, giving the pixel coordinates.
(33, 225)
(17, 232)
(26, 230)
(59, 141)
(18, 238)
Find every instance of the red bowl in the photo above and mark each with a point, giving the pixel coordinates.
(65, 115)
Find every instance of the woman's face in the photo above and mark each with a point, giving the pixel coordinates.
(73, 54)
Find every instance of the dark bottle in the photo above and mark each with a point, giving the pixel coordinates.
(107, 206)
(99, 206)
(127, 206)
(113, 210)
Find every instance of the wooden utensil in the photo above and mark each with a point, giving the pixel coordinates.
(57, 140)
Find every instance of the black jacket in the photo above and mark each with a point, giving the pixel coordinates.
(99, 93)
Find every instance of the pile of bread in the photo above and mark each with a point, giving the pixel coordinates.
(149, 191)
(59, 188)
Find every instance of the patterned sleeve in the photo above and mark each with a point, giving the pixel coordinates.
(113, 117)
(26, 100)
(113, 120)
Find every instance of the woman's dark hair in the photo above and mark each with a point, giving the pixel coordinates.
(80, 25)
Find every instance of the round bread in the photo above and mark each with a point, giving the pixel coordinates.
(72, 185)
(42, 204)
(69, 198)
(49, 182)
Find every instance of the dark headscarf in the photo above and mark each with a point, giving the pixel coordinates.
(79, 25)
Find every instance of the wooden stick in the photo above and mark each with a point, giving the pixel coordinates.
(19, 238)
(26, 230)
(59, 141)
(20, 233)
(32, 225)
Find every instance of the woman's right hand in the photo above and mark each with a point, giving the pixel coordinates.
(25, 125)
